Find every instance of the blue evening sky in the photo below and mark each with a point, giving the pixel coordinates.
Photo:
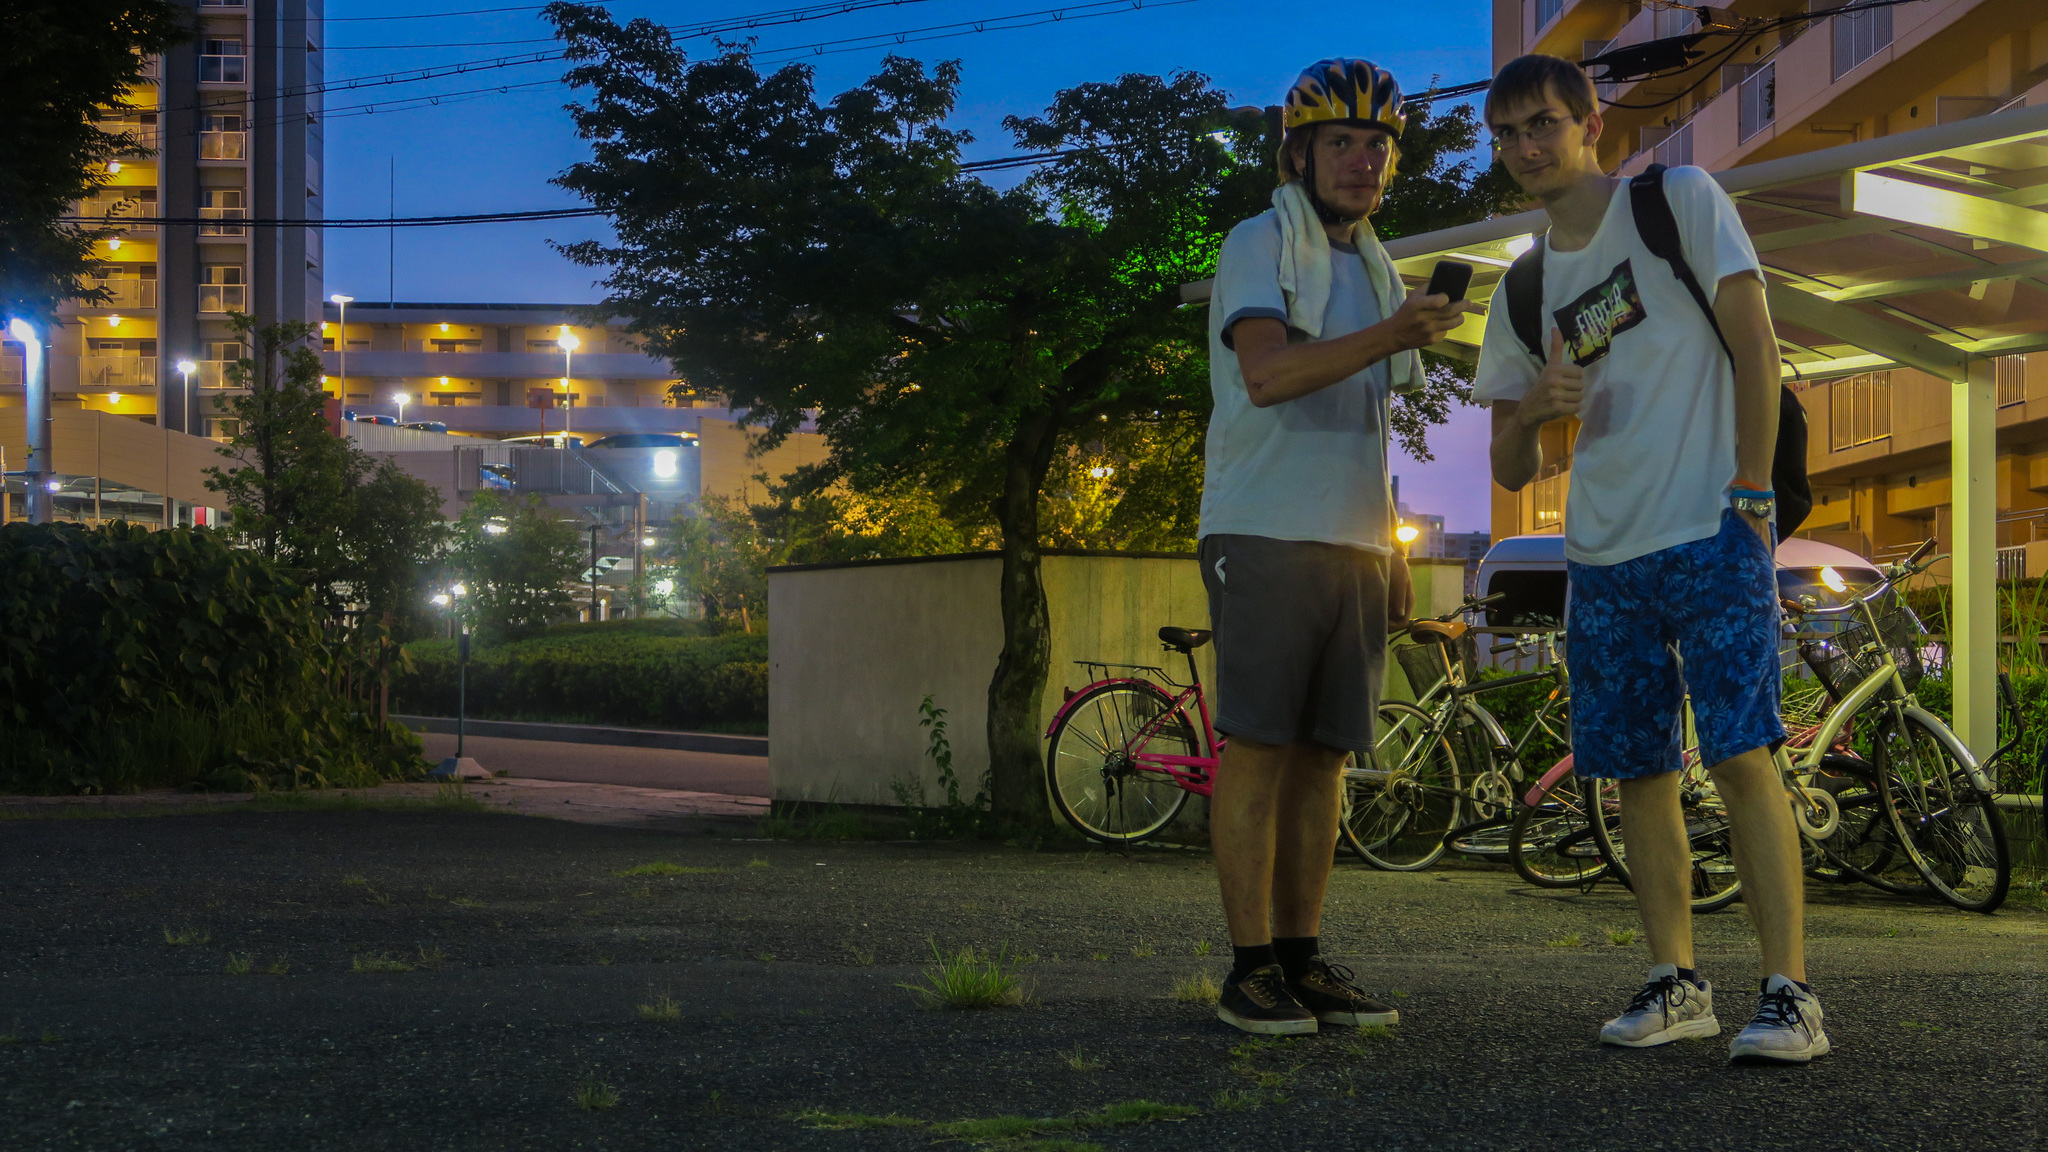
(495, 151)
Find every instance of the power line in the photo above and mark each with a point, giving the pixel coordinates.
(378, 222)
(683, 31)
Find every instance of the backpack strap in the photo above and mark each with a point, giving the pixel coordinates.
(1523, 285)
(1658, 226)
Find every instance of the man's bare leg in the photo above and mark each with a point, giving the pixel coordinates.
(1305, 820)
(1241, 833)
(1766, 845)
(1659, 865)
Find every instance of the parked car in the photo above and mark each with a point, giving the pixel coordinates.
(551, 440)
(425, 425)
(644, 440)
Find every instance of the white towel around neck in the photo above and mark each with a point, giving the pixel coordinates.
(1305, 255)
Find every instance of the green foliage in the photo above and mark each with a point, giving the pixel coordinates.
(952, 817)
(967, 980)
(2022, 615)
(352, 529)
(2021, 770)
(59, 65)
(517, 557)
(1514, 707)
(632, 677)
(147, 659)
(721, 557)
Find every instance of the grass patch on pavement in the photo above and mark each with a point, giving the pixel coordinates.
(664, 1009)
(397, 962)
(187, 937)
(1012, 1133)
(593, 1095)
(1621, 937)
(965, 980)
(1199, 988)
(1568, 940)
(1080, 1061)
(854, 1121)
(666, 868)
(240, 964)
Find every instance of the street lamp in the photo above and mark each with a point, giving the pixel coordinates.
(185, 369)
(402, 400)
(36, 398)
(1407, 534)
(341, 339)
(568, 343)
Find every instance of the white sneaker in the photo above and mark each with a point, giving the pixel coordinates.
(1787, 1028)
(1667, 1009)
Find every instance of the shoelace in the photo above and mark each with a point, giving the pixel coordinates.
(1778, 1009)
(1659, 993)
(1336, 975)
(1266, 987)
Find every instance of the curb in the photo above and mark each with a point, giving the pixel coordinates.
(731, 745)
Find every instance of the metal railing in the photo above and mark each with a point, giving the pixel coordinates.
(223, 145)
(13, 371)
(2012, 563)
(1547, 497)
(124, 293)
(1759, 100)
(223, 297)
(113, 209)
(1675, 149)
(117, 371)
(223, 69)
(223, 214)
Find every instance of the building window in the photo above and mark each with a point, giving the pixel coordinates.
(2012, 380)
(222, 288)
(1860, 410)
(222, 62)
(221, 204)
(1759, 96)
(221, 137)
(1546, 11)
(1859, 36)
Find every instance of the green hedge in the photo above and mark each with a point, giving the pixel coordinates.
(648, 674)
(138, 659)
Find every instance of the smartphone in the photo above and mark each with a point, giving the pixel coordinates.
(1451, 278)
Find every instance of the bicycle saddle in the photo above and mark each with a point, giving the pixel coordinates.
(1184, 640)
(1437, 631)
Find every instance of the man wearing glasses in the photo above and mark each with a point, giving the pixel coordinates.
(1310, 331)
(1668, 533)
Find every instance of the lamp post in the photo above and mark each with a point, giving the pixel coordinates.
(35, 377)
(185, 369)
(593, 573)
(341, 339)
(402, 399)
(568, 343)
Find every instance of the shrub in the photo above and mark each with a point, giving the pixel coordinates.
(143, 659)
(634, 676)
(2020, 771)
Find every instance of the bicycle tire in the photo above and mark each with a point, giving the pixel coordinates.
(1864, 847)
(1713, 882)
(1088, 771)
(1551, 843)
(1950, 830)
(1395, 818)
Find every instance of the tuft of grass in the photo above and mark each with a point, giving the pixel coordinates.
(848, 1121)
(354, 880)
(186, 937)
(594, 1095)
(379, 962)
(49, 1037)
(1003, 1129)
(1568, 940)
(1141, 951)
(1202, 947)
(964, 980)
(1229, 1100)
(765, 957)
(277, 967)
(1374, 1032)
(666, 868)
(1080, 1061)
(862, 956)
(240, 963)
(432, 958)
(466, 902)
(664, 1009)
(1198, 988)
(1621, 937)
(1100, 956)
(1134, 1112)
(715, 1103)
(757, 862)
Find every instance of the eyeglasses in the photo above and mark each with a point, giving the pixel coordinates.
(1543, 130)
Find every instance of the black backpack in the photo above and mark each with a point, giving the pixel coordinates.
(1659, 230)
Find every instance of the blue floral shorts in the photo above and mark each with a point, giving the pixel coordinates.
(1699, 618)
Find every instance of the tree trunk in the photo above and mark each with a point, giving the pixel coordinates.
(1016, 768)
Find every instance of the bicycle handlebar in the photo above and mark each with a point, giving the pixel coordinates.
(1910, 566)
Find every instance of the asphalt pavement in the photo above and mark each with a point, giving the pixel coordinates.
(610, 764)
(519, 953)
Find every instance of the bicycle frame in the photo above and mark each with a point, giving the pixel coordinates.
(1194, 774)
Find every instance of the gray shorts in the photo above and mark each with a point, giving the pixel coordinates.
(1301, 639)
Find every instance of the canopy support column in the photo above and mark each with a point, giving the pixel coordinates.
(1973, 602)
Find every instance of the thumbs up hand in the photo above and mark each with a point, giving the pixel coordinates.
(1557, 392)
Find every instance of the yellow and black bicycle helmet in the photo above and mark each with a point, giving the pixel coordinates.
(1344, 90)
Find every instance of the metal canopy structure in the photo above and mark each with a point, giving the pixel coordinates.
(1926, 250)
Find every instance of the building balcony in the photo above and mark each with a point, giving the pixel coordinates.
(214, 374)
(498, 365)
(223, 69)
(117, 371)
(223, 145)
(124, 293)
(223, 214)
(223, 297)
(114, 210)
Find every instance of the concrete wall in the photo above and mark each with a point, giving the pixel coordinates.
(854, 648)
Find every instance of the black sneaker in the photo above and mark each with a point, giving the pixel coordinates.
(1326, 990)
(1261, 1004)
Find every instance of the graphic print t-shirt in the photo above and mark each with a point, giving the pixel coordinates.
(1311, 468)
(1656, 445)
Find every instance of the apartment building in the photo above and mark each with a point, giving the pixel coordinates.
(1880, 439)
(226, 134)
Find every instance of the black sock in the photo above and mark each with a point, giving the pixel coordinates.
(1294, 953)
(1250, 959)
(1689, 975)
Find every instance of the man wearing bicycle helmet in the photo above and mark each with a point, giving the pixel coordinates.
(1310, 330)
(1660, 349)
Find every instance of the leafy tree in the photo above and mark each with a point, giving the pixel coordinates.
(827, 260)
(349, 528)
(518, 558)
(60, 64)
(721, 556)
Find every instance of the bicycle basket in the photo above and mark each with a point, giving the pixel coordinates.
(1424, 664)
(1847, 658)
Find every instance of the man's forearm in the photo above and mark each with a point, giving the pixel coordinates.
(1746, 322)
(1280, 372)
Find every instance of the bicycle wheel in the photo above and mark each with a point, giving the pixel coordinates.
(1551, 842)
(1400, 803)
(1950, 831)
(1090, 771)
(1712, 879)
(1864, 847)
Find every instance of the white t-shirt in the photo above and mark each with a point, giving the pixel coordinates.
(1311, 468)
(1656, 447)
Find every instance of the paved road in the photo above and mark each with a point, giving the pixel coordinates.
(784, 960)
(611, 764)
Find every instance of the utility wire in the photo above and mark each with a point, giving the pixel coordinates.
(377, 222)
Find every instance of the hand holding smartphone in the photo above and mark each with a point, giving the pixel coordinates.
(1449, 278)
